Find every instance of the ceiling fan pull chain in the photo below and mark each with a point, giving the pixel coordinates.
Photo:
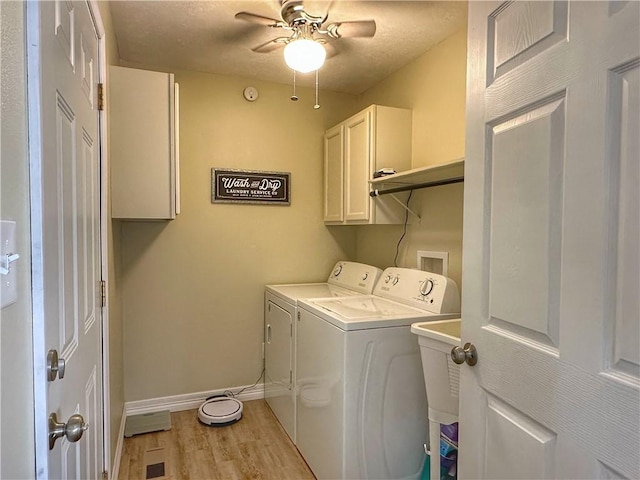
(317, 105)
(294, 97)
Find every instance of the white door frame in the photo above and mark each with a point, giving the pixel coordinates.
(104, 240)
(35, 177)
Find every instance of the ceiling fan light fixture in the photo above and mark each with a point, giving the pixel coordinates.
(304, 55)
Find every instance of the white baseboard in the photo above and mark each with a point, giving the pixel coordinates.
(187, 401)
(116, 460)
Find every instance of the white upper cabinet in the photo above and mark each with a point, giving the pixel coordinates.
(144, 144)
(334, 174)
(378, 137)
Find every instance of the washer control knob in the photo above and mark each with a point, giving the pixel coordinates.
(396, 280)
(365, 276)
(426, 287)
(337, 270)
(387, 279)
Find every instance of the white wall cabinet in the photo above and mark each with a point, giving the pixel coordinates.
(145, 178)
(377, 137)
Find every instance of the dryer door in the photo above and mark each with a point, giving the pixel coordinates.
(278, 351)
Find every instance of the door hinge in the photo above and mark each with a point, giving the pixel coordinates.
(298, 316)
(101, 96)
(103, 293)
(105, 475)
(290, 377)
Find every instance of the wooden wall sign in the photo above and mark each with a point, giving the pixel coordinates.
(250, 186)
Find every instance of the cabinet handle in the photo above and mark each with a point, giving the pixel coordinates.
(268, 333)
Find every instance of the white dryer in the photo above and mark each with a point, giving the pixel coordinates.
(361, 399)
(280, 312)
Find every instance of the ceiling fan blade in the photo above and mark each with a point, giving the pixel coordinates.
(360, 28)
(271, 45)
(258, 19)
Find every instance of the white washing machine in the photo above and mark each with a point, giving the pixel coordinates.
(280, 311)
(361, 397)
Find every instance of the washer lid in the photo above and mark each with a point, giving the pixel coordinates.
(368, 311)
(366, 306)
(294, 292)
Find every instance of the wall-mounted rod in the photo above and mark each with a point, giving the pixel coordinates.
(406, 188)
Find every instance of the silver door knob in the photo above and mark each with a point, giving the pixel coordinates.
(468, 354)
(55, 366)
(73, 429)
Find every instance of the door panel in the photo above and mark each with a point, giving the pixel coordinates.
(526, 163)
(62, 199)
(64, 27)
(70, 462)
(623, 254)
(278, 352)
(88, 233)
(520, 448)
(551, 244)
(521, 31)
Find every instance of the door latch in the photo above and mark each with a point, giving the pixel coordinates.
(55, 365)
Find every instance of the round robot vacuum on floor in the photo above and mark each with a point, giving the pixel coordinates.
(220, 411)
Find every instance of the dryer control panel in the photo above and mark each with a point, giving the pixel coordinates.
(425, 290)
(354, 276)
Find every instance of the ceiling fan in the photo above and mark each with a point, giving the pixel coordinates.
(306, 29)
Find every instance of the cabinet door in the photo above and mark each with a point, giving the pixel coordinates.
(278, 356)
(357, 131)
(143, 163)
(333, 174)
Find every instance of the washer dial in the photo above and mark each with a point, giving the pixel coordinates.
(426, 288)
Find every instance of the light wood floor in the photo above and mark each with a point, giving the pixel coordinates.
(254, 448)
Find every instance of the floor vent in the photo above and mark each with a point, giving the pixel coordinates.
(155, 464)
(147, 422)
(155, 471)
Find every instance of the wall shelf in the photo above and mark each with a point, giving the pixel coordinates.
(417, 178)
(424, 177)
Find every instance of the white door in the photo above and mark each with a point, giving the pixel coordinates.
(551, 242)
(278, 364)
(334, 174)
(64, 144)
(357, 161)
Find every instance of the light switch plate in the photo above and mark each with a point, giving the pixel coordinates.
(8, 282)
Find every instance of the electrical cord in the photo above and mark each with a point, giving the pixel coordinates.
(404, 231)
(229, 393)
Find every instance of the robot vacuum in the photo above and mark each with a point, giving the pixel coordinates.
(220, 411)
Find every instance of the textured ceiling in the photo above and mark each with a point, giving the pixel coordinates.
(205, 36)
